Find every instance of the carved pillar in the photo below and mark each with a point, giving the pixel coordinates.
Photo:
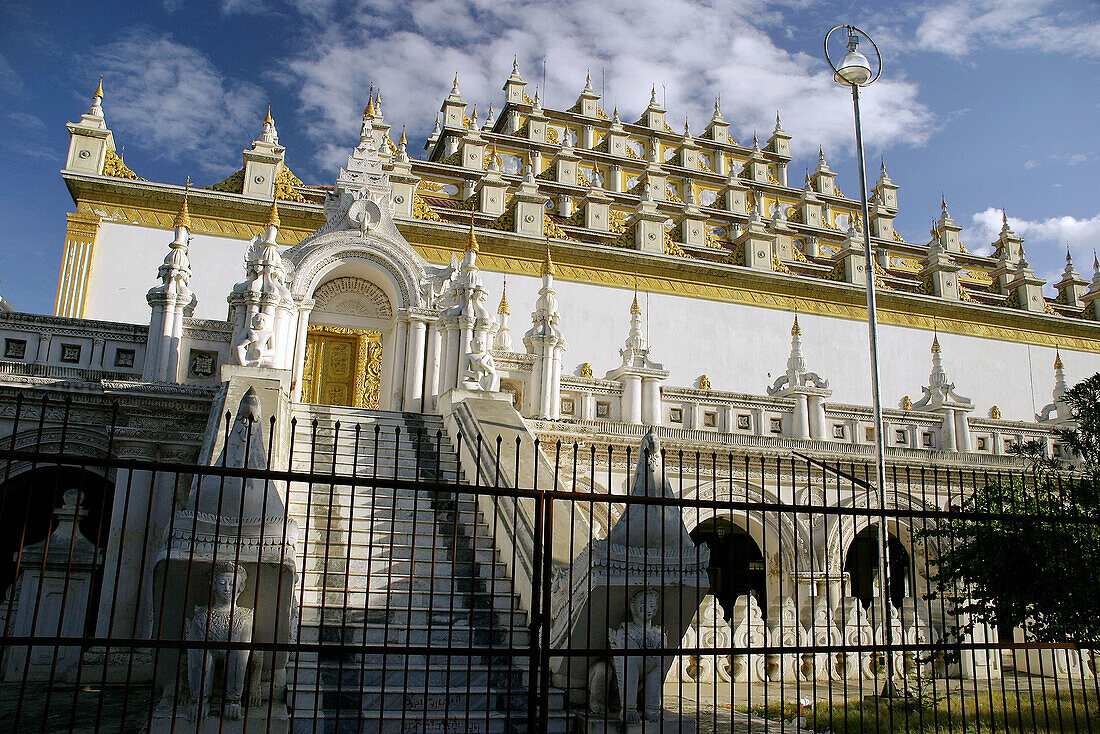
(43, 353)
(554, 388)
(817, 418)
(126, 544)
(632, 399)
(651, 401)
(298, 365)
(97, 352)
(947, 431)
(397, 376)
(414, 366)
(435, 348)
(962, 432)
(800, 421)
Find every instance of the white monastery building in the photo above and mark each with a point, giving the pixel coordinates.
(565, 275)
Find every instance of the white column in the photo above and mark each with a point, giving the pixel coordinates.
(816, 404)
(414, 366)
(587, 407)
(632, 399)
(947, 431)
(175, 343)
(299, 363)
(962, 432)
(651, 402)
(453, 358)
(97, 352)
(535, 386)
(397, 383)
(152, 368)
(555, 384)
(435, 348)
(800, 421)
(118, 612)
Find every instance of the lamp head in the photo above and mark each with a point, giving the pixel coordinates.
(855, 69)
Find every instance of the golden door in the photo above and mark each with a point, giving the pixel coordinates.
(343, 367)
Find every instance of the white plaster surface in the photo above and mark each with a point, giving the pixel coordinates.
(744, 348)
(124, 268)
(740, 348)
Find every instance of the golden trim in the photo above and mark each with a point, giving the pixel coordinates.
(602, 269)
(216, 221)
(943, 317)
(72, 281)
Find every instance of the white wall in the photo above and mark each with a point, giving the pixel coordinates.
(125, 265)
(744, 348)
(741, 348)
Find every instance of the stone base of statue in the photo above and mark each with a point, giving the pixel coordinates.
(669, 723)
(453, 397)
(268, 719)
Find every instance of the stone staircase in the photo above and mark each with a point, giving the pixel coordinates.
(400, 568)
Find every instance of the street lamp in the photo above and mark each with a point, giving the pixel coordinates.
(855, 72)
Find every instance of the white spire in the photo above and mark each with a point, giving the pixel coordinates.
(96, 110)
(797, 375)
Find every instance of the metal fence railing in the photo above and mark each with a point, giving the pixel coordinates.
(389, 577)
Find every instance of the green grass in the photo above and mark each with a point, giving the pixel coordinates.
(1004, 712)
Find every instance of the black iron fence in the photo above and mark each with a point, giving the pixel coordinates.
(381, 575)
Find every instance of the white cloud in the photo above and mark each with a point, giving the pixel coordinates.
(1045, 240)
(957, 28)
(168, 99)
(697, 51)
(1076, 158)
(10, 83)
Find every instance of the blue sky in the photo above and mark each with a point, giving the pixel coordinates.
(991, 103)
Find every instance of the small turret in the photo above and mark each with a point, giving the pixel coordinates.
(263, 162)
(654, 115)
(90, 139)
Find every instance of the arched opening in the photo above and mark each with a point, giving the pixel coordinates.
(27, 509)
(350, 342)
(861, 565)
(736, 562)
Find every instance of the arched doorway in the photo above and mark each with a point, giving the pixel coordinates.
(736, 562)
(861, 565)
(346, 343)
(27, 508)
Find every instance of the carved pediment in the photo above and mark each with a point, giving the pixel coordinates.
(353, 297)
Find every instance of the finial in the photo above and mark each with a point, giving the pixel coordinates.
(778, 124)
(1095, 262)
(882, 165)
(267, 119)
(717, 107)
(796, 330)
(943, 203)
(370, 111)
(403, 140)
(653, 96)
(471, 239)
(273, 215)
(378, 102)
(515, 65)
(1069, 258)
(588, 81)
(687, 128)
(183, 218)
(936, 344)
(755, 141)
(503, 307)
(635, 309)
(473, 118)
(99, 89)
(1058, 360)
(615, 116)
(547, 263)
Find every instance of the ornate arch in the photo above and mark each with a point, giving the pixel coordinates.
(323, 253)
(780, 527)
(842, 533)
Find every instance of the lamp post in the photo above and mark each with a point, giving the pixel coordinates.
(855, 72)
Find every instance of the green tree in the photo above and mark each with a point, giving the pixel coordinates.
(1025, 551)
